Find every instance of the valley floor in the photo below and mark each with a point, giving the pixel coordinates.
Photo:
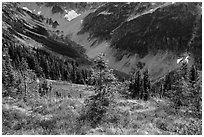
(59, 115)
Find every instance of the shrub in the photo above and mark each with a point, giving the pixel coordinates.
(161, 124)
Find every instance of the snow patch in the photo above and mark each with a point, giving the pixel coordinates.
(186, 59)
(147, 12)
(151, 10)
(116, 5)
(39, 12)
(179, 60)
(71, 15)
(182, 60)
(25, 8)
(104, 13)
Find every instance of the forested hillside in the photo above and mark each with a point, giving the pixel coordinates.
(40, 60)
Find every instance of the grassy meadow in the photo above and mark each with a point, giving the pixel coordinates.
(60, 115)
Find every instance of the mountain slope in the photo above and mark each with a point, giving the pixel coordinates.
(156, 34)
(29, 27)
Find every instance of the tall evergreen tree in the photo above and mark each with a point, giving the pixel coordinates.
(183, 71)
(100, 66)
(74, 72)
(102, 75)
(162, 91)
(131, 87)
(8, 77)
(137, 85)
(167, 82)
(24, 73)
(193, 74)
(146, 85)
(96, 105)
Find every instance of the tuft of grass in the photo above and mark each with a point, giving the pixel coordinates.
(161, 124)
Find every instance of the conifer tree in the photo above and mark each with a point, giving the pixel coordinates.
(131, 87)
(8, 77)
(183, 71)
(146, 85)
(97, 105)
(167, 82)
(102, 75)
(137, 85)
(38, 69)
(194, 87)
(84, 76)
(101, 66)
(74, 72)
(161, 92)
(197, 92)
(23, 66)
(79, 78)
(193, 74)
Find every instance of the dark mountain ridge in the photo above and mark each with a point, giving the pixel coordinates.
(145, 28)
